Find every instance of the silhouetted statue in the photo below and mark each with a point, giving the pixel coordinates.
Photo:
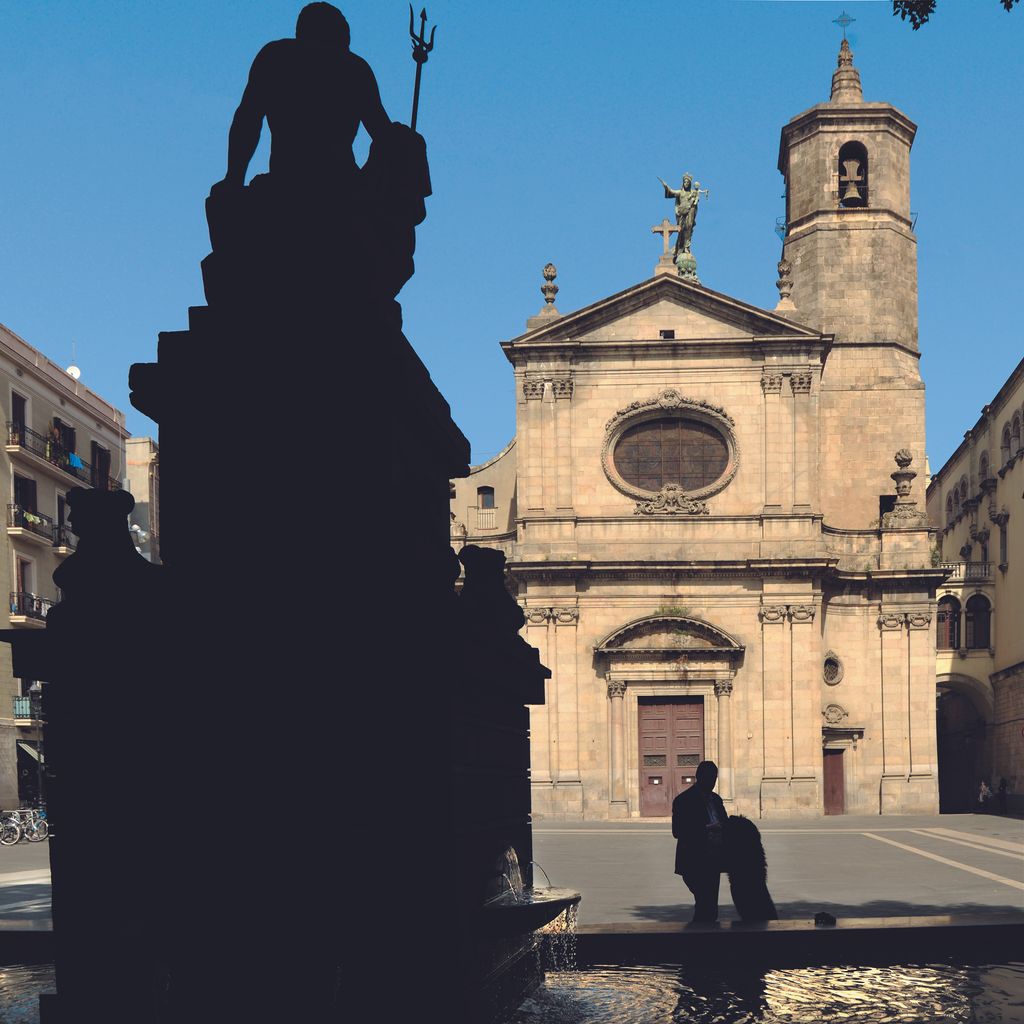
(314, 92)
(317, 228)
(698, 818)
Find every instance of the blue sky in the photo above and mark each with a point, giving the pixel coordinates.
(546, 125)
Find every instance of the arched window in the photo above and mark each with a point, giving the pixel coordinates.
(983, 471)
(963, 491)
(976, 623)
(947, 624)
(956, 503)
(949, 509)
(485, 497)
(853, 175)
(1004, 446)
(1015, 435)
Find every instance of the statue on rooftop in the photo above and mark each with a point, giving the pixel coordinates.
(687, 197)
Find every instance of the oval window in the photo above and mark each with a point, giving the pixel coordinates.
(679, 451)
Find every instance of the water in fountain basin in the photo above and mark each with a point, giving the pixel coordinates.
(903, 994)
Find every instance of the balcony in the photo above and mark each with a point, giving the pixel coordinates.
(968, 572)
(31, 526)
(481, 520)
(29, 609)
(29, 708)
(50, 454)
(64, 541)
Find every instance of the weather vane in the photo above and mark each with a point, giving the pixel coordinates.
(420, 49)
(843, 21)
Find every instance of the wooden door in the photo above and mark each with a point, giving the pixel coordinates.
(671, 747)
(835, 792)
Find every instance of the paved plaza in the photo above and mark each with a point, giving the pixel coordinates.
(849, 866)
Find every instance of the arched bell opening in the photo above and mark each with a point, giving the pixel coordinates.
(853, 175)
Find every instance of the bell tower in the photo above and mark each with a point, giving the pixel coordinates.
(853, 255)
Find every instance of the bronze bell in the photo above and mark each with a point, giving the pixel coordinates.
(852, 175)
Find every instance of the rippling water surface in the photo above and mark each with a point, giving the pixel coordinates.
(19, 992)
(984, 994)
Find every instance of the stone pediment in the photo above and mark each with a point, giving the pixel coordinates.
(641, 313)
(669, 634)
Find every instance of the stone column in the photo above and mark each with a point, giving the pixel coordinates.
(895, 761)
(922, 755)
(562, 389)
(564, 621)
(804, 440)
(531, 446)
(543, 718)
(805, 694)
(771, 385)
(723, 696)
(617, 713)
(775, 704)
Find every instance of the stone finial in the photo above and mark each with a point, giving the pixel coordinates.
(549, 290)
(846, 78)
(905, 514)
(785, 284)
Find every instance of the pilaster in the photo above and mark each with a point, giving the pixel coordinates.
(771, 386)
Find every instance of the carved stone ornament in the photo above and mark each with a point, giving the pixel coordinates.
(801, 612)
(723, 687)
(919, 619)
(671, 497)
(533, 389)
(564, 616)
(672, 500)
(771, 383)
(905, 515)
(835, 713)
(616, 688)
(549, 289)
(562, 387)
(785, 281)
(890, 620)
(536, 616)
(772, 613)
(1000, 518)
(800, 382)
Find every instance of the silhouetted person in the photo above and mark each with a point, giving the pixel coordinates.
(748, 870)
(314, 93)
(698, 819)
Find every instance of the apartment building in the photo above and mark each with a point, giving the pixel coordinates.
(59, 435)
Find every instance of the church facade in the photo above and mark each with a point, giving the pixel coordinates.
(709, 513)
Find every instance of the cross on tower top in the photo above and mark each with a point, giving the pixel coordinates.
(844, 21)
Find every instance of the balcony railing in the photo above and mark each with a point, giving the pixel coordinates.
(34, 522)
(57, 455)
(31, 606)
(30, 706)
(483, 518)
(64, 538)
(968, 572)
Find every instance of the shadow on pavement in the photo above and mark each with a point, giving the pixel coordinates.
(799, 909)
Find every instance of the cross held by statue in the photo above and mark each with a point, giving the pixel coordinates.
(666, 229)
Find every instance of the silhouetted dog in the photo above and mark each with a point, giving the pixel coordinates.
(748, 870)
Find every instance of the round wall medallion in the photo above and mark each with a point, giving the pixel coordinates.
(832, 669)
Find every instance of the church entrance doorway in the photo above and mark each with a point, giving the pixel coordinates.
(835, 787)
(671, 747)
(960, 738)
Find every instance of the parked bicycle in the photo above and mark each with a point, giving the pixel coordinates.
(27, 822)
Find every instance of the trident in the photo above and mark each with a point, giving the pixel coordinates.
(420, 49)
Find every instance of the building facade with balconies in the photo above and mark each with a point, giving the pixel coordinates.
(58, 435)
(977, 501)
